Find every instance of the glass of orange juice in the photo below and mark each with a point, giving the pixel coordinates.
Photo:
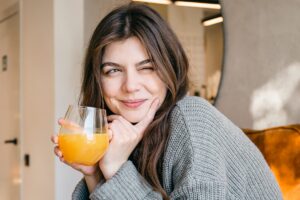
(83, 137)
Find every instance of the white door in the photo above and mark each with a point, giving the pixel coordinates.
(10, 178)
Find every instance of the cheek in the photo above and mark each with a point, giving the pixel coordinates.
(110, 91)
(110, 88)
(109, 94)
(157, 87)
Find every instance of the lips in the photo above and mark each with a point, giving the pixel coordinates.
(133, 103)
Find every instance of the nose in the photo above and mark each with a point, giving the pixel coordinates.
(132, 81)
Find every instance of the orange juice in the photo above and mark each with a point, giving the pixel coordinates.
(82, 148)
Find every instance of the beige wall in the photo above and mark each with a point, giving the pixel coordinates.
(37, 98)
(10, 175)
(261, 80)
(68, 55)
(94, 11)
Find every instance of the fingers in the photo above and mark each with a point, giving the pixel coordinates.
(119, 118)
(142, 125)
(111, 118)
(57, 152)
(119, 125)
(117, 128)
(76, 166)
(54, 139)
(69, 125)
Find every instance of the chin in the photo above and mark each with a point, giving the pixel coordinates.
(133, 118)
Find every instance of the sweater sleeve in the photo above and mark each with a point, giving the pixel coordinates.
(130, 185)
(81, 191)
(127, 183)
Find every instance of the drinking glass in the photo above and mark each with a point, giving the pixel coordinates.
(83, 136)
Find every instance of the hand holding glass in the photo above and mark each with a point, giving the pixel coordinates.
(83, 136)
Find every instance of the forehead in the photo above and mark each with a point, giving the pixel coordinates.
(128, 49)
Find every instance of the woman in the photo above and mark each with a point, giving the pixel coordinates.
(164, 145)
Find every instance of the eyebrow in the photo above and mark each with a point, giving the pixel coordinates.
(118, 65)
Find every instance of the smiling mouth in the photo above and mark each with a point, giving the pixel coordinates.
(133, 103)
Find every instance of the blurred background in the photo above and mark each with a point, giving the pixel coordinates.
(244, 58)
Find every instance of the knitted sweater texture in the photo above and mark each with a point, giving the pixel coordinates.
(207, 158)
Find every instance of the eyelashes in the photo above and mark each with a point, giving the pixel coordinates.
(112, 71)
(147, 68)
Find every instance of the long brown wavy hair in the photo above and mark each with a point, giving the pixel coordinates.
(170, 61)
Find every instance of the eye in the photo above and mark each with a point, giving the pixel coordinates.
(147, 68)
(111, 71)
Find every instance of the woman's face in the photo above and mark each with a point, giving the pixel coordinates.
(129, 81)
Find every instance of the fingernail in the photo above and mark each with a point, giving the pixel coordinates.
(60, 120)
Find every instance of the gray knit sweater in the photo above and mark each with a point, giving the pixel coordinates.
(207, 158)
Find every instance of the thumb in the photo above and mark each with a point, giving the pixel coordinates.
(142, 125)
(69, 125)
(110, 134)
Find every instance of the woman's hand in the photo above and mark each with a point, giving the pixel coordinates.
(92, 174)
(125, 138)
(86, 170)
